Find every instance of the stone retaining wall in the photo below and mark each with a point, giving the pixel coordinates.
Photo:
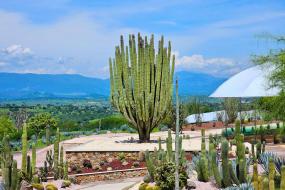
(109, 175)
(77, 158)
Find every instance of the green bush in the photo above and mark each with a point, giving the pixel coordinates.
(165, 178)
(107, 123)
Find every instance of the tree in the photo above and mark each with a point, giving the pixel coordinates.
(170, 120)
(6, 126)
(231, 106)
(40, 122)
(141, 83)
(273, 107)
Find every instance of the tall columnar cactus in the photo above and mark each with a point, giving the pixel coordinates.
(271, 166)
(242, 171)
(215, 168)
(225, 166)
(265, 184)
(203, 144)
(159, 144)
(141, 83)
(271, 185)
(56, 154)
(61, 163)
(34, 158)
(233, 174)
(8, 166)
(65, 170)
(150, 165)
(169, 146)
(29, 170)
(253, 152)
(263, 146)
(258, 149)
(49, 159)
(282, 185)
(48, 135)
(260, 183)
(24, 148)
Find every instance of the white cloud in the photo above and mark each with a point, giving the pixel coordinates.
(218, 66)
(80, 43)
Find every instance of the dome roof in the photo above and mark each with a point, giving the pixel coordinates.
(252, 82)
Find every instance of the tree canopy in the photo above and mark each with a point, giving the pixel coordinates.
(41, 121)
(6, 126)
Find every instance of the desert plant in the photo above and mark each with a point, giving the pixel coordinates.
(135, 81)
(87, 163)
(24, 148)
(169, 146)
(225, 167)
(34, 158)
(56, 155)
(49, 159)
(264, 161)
(282, 185)
(165, 179)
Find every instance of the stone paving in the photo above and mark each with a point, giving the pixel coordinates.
(115, 142)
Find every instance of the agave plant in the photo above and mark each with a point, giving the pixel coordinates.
(243, 186)
(264, 161)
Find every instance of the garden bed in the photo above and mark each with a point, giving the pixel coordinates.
(108, 175)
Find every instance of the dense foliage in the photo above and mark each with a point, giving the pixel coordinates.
(141, 82)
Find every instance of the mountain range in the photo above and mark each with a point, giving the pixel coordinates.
(31, 86)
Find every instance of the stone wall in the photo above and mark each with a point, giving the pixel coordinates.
(77, 158)
(111, 175)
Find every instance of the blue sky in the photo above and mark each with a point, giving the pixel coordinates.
(216, 37)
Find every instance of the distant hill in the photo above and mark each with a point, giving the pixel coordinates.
(30, 86)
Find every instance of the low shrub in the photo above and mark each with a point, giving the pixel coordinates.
(165, 179)
(87, 164)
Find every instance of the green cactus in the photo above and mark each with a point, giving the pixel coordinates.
(61, 163)
(225, 166)
(255, 172)
(141, 83)
(159, 144)
(48, 135)
(29, 170)
(215, 168)
(150, 165)
(34, 158)
(271, 185)
(49, 159)
(258, 149)
(232, 174)
(242, 171)
(271, 166)
(252, 151)
(265, 184)
(65, 171)
(14, 176)
(169, 146)
(282, 185)
(203, 144)
(56, 155)
(24, 148)
(263, 146)
(260, 183)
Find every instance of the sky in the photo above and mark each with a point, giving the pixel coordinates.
(216, 37)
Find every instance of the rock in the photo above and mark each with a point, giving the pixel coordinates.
(65, 183)
(125, 163)
(109, 160)
(109, 169)
(190, 184)
(26, 186)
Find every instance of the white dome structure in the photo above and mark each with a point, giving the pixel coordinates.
(252, 82)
